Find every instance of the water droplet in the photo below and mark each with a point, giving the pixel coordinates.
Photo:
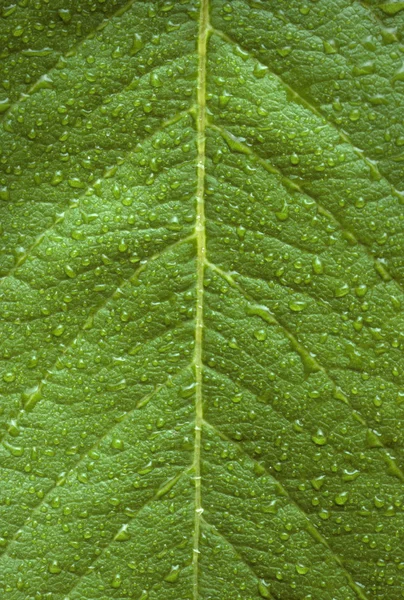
(76, 183)
(173, 574)
(116, 581)
(155, 80)
(147, 468)
(69, 271)
(297, 305)
(373, 439)
(355, 114)
(317, 265)
(187, 391)
(285, 51)
(320, 439)
(31, 396)
(116, 387)
(263, 590)
(330, 47)
(4, 105)
(58, 330)
(14, 450)
(271, 508)
(224, 98)
(302, 569)
(9, 377)
(341, 498)
(54, 567)
(378, 502)
(65, 14)
(283, 214)
(260, 334)
(342, 291)
(117, 444)
(350, 475)
(123, 534)
(318, 482)
(260, 71)
(241, 231)
(137, 45)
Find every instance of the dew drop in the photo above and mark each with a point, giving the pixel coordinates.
(319, 438)
(341, 498)
(301, 569)
(173, 574)
(123, 534)
(116, 581)
(54, 568)
(260, 334)
(263, 589)
(137, 45)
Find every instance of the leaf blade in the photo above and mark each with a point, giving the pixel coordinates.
(202, 306)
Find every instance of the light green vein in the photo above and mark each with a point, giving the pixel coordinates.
(201, 252)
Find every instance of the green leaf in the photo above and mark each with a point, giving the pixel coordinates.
(202, 291)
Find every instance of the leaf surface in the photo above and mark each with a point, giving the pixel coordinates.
(201, 296)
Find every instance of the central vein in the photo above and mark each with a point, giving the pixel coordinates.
(201, 252)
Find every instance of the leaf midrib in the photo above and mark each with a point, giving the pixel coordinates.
(200, 265)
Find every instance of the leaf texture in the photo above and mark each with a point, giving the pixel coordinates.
(201, 300)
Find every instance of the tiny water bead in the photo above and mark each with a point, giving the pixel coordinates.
(173, 575)
(319, 438)
(302, 569)
(54, 568)
(264, 590)
(123, 535)
(260, 334)
(116, 581)
(341, 499)
(9, 377)
(297, 305)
